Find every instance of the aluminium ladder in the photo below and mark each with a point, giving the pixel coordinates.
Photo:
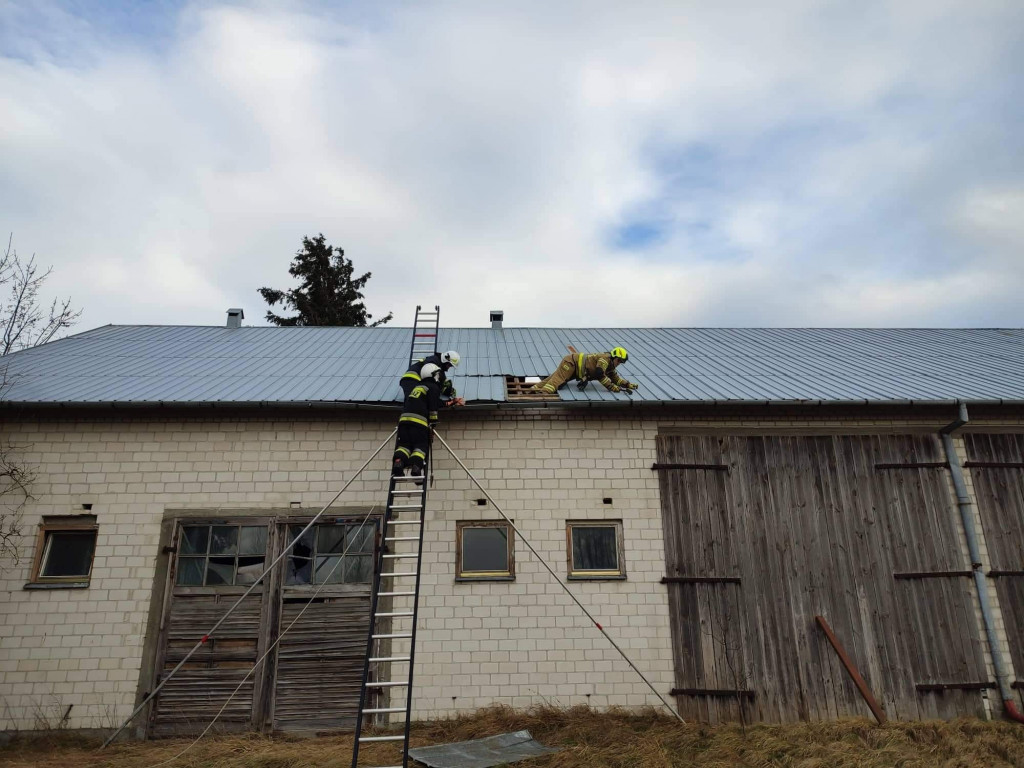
(391, 639)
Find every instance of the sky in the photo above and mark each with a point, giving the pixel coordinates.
(581, 163)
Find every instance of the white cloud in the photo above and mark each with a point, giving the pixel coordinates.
(479, 155)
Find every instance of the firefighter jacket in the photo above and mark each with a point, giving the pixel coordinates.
(447, 388)
(598, 367)
(422, 404)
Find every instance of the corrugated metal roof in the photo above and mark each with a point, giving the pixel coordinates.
(190, 365)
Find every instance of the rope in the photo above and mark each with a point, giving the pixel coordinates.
(560, 582)
(266, 570)
(268, 651)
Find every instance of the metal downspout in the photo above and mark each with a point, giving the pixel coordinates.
(963, 501)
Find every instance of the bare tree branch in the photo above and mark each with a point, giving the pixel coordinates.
(25, 322)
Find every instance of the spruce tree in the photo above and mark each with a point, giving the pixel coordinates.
(327, 293)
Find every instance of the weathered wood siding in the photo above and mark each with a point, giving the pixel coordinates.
(320, 662)
(194, 696)
(1000, 495)
(811, 525)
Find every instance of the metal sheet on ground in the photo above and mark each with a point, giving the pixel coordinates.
(481, 753)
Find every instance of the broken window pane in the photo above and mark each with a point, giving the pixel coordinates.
(195, 539)
(224, 540)
(220, 571)
(485, 549)
(594, 548)
(299, 571)
(190, 571)
(249, 569)
(67, 553)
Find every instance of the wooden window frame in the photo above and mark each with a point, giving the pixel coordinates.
(62, 524)
(352, 522)
(620, 550)
(471, 576)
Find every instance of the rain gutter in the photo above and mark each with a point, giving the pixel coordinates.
(966, 506)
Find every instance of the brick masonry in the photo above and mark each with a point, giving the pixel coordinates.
(517, 643)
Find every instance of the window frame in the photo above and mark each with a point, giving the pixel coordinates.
(206, 556)
(62, 524)
(473, 576)
(372, 522)
(600, 575)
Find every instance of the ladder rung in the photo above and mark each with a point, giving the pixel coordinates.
(400, 557)
(388, 684)
(385, 709)
(401, 538)
(395, 594)
(407, 493)
(403, 479)
(391, 658)
(394, 613)
(396, 635)
(382, 738)
(399, 573)
(406, 506)
(403, 522)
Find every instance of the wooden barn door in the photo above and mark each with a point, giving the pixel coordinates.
(310, 680)
(763, 533)
(320, 658)
(996, 464)
(214, 564)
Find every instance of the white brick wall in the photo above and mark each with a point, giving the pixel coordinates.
(515, 643)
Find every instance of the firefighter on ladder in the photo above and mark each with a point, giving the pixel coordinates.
(419, 415)
(443, 360)
(586, 368)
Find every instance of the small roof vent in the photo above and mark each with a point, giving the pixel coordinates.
(235, 317)
(497, 316)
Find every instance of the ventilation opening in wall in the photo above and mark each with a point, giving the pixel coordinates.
(520, 389)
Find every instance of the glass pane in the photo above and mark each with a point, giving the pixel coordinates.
(224, 540)
(194, 539)
(485, 549)
(358, 569)
(190, 571)
(330, 539)
(329, 570)
(594, 548)
(360, 538)
(298, 571)
(220, 571)
(68, 553)
(249, 569)
(253, 540)
(304, 546)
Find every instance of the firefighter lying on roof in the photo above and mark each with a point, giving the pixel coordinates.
(443, 360)
(586, 368)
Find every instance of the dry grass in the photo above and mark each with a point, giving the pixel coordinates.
(587, 738)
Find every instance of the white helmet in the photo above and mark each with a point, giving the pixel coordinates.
(431, 371)
(451, 356)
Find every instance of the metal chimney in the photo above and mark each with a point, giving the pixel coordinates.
(235, 317)
(497, 316)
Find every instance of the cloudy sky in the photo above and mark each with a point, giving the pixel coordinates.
(573, 163)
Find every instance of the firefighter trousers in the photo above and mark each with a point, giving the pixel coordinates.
(566, 370)
(413, 444)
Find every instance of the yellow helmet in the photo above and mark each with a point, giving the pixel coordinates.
(619, 353)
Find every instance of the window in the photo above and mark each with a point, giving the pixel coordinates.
(221, 555)
(337, 553)
(64, 552)
(595, 549)
(485, 551)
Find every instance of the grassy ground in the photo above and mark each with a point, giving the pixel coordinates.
(586, 738)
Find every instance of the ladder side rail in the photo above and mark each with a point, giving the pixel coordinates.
(412, 341)
(416, 608)
(377, 572)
